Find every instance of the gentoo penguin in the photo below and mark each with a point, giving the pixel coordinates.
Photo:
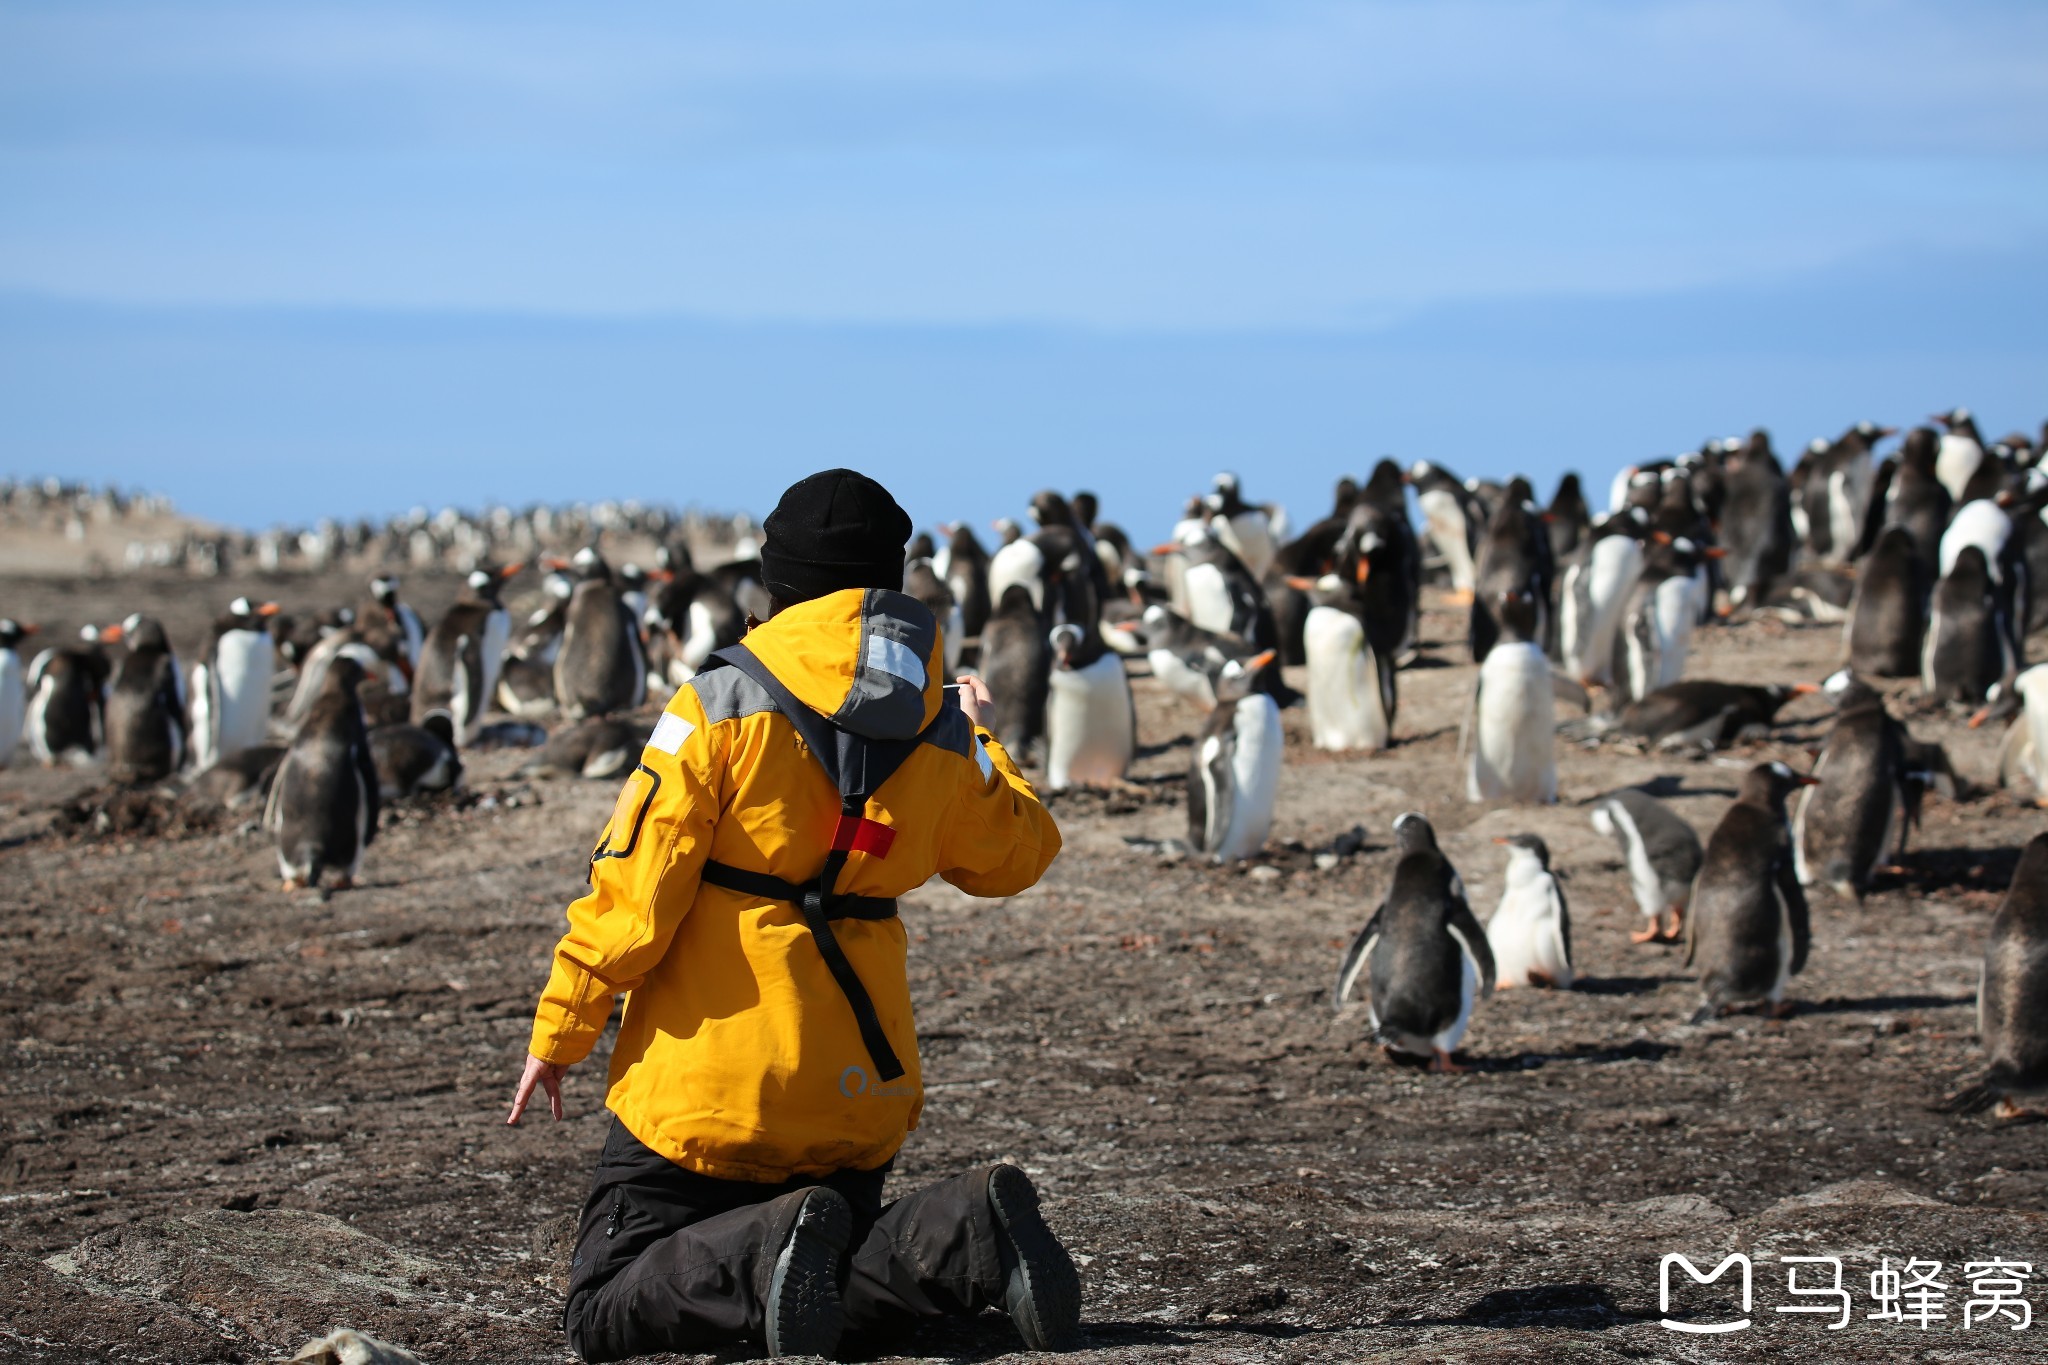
(1756, 520)
(601, 748)
(1090, 722)
(1016, 659)
(1961, 451)
(1836, 492)
(1595, 594)
(1510, 732)
(231, 684)
(146, 739)
(1567, 520)
(1514, 556)
(964, 566)
(1386, 491)
(633, 584)
(1531, 929)
(1662, 854)
(1703, 712)
(1223, 595)
(601, 668)
(13, 686)
(415, 758)
(1748, 933)
(1845, 829)
(239, 779)
(323, 801)
(1907, 492)
(1966, 650)
(2012, 998)
(459, 666)
(1447, 514)
(1889, 615)
(1658, 622)
(922, 581)
(1425, 957)
(1247, 531)
(67, 694)
(2023, 753)
(1236, 770)
(1985, 523)
(1184, 657)
(1350, 684)
(1007, 530)
(412, 631)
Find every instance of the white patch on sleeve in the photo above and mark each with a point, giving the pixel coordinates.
(893, 656)
(670, 732)
(982, 760)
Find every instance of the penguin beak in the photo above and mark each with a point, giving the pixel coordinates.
(661, 576)
(1978, 720)
(510, 569)
(1661, 537)
(1806, 782)
(1362, 572)
(1715, 552)
(1300, 584)
(267, 609)
(1258, 661)
(1501, 839)
(1168, 548)
(554, 564)
(30, 629)
(1805, 689)
(110, 634)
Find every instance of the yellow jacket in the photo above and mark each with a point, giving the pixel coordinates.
(738, 1056)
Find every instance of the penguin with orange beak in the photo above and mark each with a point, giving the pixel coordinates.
(1748, 933)
(231, 684)
(1236, 770)
(459, 666)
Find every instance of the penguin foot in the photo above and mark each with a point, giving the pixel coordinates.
(1443, 1065)
(1778, 1009)
(1674, 932)
(1461, 597)
(1653, 934)
(2010, 1112)
(1543, 979)
(294, 884)
(345, 884)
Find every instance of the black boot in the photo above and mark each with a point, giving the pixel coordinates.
(1041, 1290)
(804, 1316)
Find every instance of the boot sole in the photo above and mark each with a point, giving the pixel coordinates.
(1043, 1293)
(804, 1314)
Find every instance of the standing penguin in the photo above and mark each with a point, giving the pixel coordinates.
(1223, 595)
(1531, 930)
(1662, 854)
(13, 686)
(1907, 492)
(1965, 649)
(964, 565)
(1246, 530)
(1509, 740)
(231, 684)
(1987, 525)
(1236, 770)
(1567, 519)
(1961, 453)
(323, 801)
(1426, 959)
(600, 668)
(67, 695)
(1449, 516)
(1756, 520)
(1350, 683)
(1889, 615)
(1658, 623)
(1090, 722)
(1748, 932)
(146, 739)
(1016, 659)
(1595, 594)
(923, 581)
(1843, 831)
(2012, 998)
(2023, 753)
(459, 666)
(1514, 556)
(412, 632)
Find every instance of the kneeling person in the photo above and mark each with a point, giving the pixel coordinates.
(766, 1069)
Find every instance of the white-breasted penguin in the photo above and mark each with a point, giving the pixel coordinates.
(1848, 827)
(1509, 740)
(1966, 650)
(1961, 451)
(601, 667)
(1236, 770)
(384, 591)
(323, 803)
(1223, 595)
(1425, 957)
(922, 580)
(964, 564)
(146, 739)
(1246, 530)
(1595, 593)
(1350, 686)
(231, 684)
(1662, 854)
(1185, 657)
(1748, 932)
(13, 686)
(65, 720)
(1658, 624)
(459, 667)
(1531, 929)
(2012, 998)
(1986, 524)
(2023, 753)
(1091, 731)
(1448, 516)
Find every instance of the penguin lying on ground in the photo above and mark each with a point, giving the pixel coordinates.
(1748, 933)
(241, 778)
(1425, 957)
(411, 759)
(323, 801)
(1236, 769)
(1662, 854)
(1703, 712)
(2012, 998)
(1845, 830)
(1531, 930)
(1185, 657)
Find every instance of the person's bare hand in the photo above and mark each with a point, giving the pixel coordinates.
(548, 1077)
(975, 700)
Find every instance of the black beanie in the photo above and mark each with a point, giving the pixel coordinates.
(835, 530)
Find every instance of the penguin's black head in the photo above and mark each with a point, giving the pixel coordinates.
(440, 725)
(1050, 509)
(345, 673)
(1845, 689)
(1768, 784)
(1235, 680)
(634, 578)
(1872, 433)
(385, 589)
(1413, 833)
(1086, 507)
(589, 565)
(1516, 609)
(1007, 530)
(1568, 489)
(12, 632)
(1066, 639)
(1528, 843)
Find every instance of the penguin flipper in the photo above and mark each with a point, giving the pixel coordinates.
(1874, 507)
(1564, 920)
(366, 768)
(1974, 1098)
(1465, 928)
(1794, 897)
(1355, 959)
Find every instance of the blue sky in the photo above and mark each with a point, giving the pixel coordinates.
(282, 261)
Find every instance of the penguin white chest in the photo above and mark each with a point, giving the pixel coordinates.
(1209, 603)
(1089, 735)
(1513, 754)
(1183, 681)
(491, 654)
(1345, 709)
(1611, 571)
(1674, 610)
(1955, 462)
(1254, 777)
(1445, 518)
(242, 666)
(1527, 932)
(13, 703)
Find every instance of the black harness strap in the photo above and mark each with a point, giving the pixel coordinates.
(857, 767)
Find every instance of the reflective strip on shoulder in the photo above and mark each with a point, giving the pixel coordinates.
(728, 694)
(893, 656)
(670, 732)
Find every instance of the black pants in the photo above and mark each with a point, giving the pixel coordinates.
(669, 1260)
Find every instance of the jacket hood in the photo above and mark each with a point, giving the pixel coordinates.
(867, 658)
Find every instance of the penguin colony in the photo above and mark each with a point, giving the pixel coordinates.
(1925, 557)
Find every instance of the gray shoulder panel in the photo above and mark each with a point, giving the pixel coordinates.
(727, 694)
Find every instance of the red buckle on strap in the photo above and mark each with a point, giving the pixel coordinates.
(858, 834)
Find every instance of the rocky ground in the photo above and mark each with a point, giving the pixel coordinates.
(235, 1119)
